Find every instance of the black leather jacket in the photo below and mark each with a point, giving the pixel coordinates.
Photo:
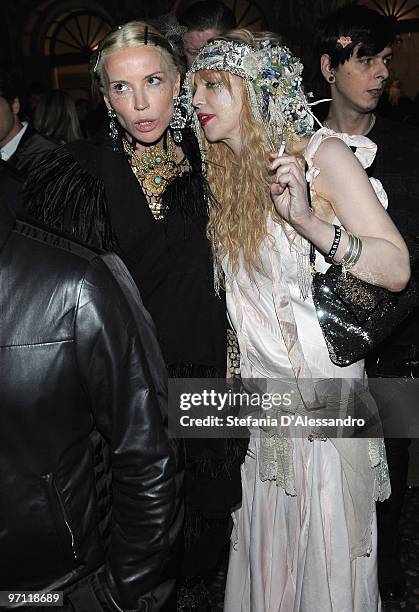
(78, 351)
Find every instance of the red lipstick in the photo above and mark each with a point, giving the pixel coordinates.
(204, 118)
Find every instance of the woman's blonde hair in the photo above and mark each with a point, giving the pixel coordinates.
(241, 184)
(130, 35)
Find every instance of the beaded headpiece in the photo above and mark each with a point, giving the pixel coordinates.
(273, 79)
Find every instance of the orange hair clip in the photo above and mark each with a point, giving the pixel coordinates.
(344, 41)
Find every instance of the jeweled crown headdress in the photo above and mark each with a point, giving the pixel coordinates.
(274, 84)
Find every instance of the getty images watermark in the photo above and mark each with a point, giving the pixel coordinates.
(203, 408)
(228, 399)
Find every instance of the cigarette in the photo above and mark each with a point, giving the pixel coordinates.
(282, 148)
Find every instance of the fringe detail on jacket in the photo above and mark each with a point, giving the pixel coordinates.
(189, 193)
(62, 194)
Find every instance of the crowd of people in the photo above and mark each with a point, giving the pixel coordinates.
(180, 242)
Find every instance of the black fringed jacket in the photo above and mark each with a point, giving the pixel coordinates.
(90, 192)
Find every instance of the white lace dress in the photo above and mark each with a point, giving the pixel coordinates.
(305, 541)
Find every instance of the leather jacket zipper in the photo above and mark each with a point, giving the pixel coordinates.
(56, 500)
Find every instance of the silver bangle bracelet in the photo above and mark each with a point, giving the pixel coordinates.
(353, 252)
(357, 255)
(348, 251)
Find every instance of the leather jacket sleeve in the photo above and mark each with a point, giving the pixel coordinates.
(125, 378)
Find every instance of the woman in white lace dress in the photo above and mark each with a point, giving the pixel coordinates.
(304, 537)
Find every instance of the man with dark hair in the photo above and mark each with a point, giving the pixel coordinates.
(354, 49)
(355, 65)
(204, 20)
(78, 355)
(20, 145)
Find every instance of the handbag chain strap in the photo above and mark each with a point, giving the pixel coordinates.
(312, 247)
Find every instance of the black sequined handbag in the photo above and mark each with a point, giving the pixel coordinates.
(356, 316)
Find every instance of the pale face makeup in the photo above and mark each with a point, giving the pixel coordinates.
(218, 109)
(140, 89)
(359, 82)
(194, 40)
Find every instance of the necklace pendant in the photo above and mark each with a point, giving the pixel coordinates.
(154, 168)
(154, 183)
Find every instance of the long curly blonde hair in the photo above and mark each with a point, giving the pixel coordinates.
(241, 184)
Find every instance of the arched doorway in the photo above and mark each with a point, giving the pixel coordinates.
(59, 39)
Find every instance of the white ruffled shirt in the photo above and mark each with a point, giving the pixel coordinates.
(9, 149)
